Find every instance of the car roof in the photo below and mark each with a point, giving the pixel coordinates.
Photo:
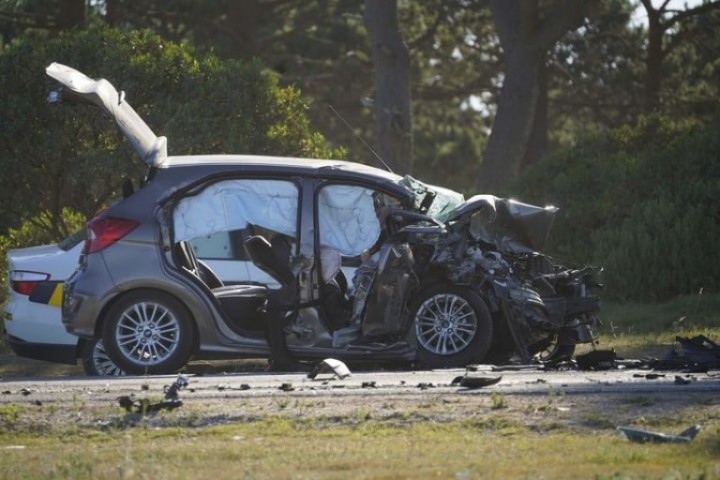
(271, 162)
(321, 168)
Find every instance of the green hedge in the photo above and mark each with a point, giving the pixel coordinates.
(641, 201)
(64, 155)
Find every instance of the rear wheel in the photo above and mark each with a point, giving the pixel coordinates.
(453, 326)
(148, 332)
(97, 362)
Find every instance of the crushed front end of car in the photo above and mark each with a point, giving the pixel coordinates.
(540, 310)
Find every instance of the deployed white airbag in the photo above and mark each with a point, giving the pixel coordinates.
(347, 219)
(233, 204)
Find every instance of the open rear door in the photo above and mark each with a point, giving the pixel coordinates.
(76, 86)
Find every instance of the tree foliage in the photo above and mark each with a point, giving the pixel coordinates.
(56, 156)
(588, 84)
(596, 75)
(391, 60)
(42, 229)
(642, 201)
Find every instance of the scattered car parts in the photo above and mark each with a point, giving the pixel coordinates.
(330, 365)
(645, 436)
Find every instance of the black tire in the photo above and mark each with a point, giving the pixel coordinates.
(453, 327)
(97, 362)
(148, 333)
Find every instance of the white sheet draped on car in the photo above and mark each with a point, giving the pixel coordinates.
(347, 219)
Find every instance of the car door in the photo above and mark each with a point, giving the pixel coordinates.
(218, 219)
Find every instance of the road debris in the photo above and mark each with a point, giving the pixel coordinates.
(597, 360)
(473, 381)
(144, 406)
(683, 380)
(172, 391)
(330, 365)
(649, 376)
(644, 436)
(697, 354)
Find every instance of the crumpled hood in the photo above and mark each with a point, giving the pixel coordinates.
(509, 225)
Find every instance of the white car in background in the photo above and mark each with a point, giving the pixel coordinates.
(32, 311)
(33, 326)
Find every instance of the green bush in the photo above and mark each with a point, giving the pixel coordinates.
(642, 201)
(54, 155)
(661, 250)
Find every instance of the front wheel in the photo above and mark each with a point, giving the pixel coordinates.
(453, 327)
(148, 332)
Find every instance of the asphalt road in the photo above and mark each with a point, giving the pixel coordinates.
(522, 381)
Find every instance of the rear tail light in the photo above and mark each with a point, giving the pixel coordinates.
(104, 231)
(24, 282)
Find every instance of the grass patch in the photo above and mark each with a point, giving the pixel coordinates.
(9, 415)
(287, 448)
(640, 328)
(681, 315)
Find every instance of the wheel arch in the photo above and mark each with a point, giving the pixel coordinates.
(478, 346)
(102, 317)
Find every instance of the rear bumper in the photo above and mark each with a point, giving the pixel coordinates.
(57, 353)
(82, 304)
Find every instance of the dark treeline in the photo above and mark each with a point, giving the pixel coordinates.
(512, 97)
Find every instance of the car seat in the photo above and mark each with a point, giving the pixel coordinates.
(240, 303)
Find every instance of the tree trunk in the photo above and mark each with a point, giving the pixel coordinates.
(514, 120)
(391, 59)
(526, 31)
(659, 24)
(537, 143)
(242, 20)
(112, 12)
(72, 14)
(653, 61)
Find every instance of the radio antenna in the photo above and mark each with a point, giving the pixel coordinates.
(358, 137)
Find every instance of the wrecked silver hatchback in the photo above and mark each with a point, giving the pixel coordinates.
(359, 264)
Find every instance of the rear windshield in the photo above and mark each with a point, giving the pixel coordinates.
(69, 242)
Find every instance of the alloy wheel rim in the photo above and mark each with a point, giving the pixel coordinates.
(445, 324)
(148, 333)
(103, 363)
